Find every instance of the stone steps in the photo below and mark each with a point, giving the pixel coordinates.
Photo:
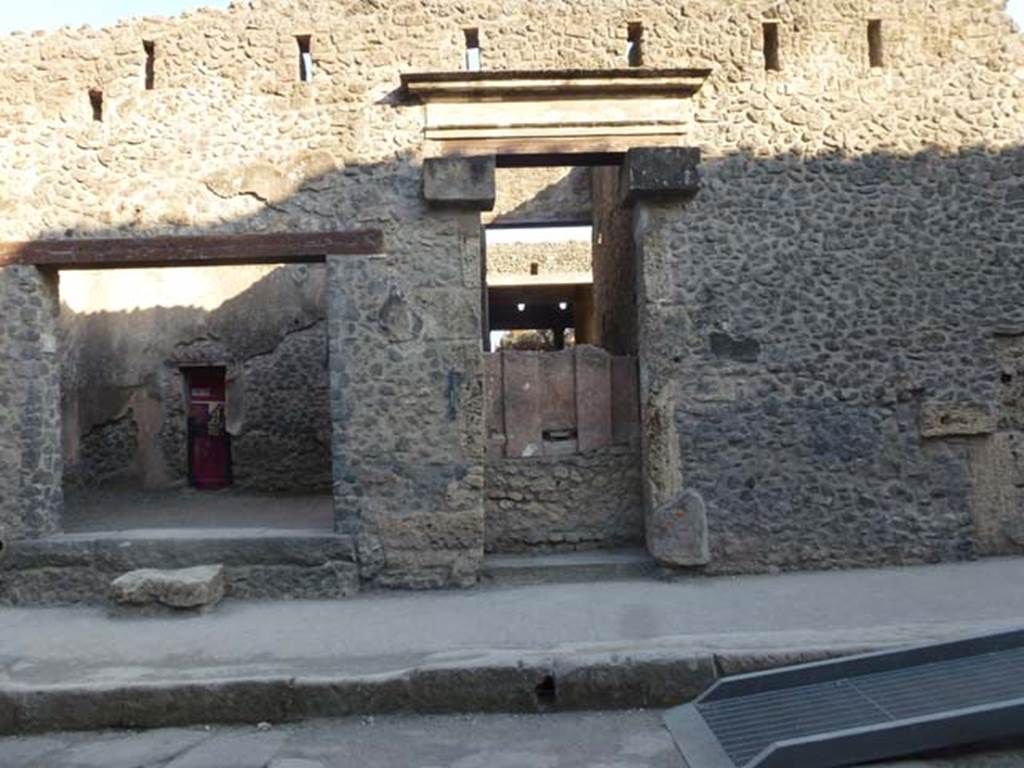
(259, 564)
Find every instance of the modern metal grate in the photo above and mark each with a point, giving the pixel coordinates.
(746, 726)
(898, 699)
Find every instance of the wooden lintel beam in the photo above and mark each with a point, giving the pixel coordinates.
(184, 251)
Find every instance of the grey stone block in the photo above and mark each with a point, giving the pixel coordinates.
(460, 182)
(200, 587)
(660, 173)
(677, 531)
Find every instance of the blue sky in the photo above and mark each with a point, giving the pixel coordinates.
(43, 14)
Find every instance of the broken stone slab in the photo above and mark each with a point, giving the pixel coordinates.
(201, 587)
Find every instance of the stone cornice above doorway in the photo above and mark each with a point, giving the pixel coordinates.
(551, 111)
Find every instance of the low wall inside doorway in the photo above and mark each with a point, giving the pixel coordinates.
(563, 463)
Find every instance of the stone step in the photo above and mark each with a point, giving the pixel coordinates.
(259, 564)
(597, 565)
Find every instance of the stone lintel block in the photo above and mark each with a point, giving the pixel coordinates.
(660, 173)
(464, 183)
(957, 419)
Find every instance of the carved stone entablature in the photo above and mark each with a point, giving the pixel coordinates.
(578, 110)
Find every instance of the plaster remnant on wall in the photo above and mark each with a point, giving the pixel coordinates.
(957, 419)
(997, 461)
(259, 180)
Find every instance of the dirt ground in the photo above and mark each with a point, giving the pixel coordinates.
(120, 510)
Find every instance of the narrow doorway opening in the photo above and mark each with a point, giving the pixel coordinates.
(561, 371)
(209, 444)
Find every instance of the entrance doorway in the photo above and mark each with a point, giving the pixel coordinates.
(209, 444)
(561, 391)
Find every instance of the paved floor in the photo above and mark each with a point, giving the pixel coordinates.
(616, 740)
(388, 632)
(122, 510)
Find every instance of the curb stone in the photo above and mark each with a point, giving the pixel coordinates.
(503, 683)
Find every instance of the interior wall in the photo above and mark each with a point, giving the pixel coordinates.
(124, 402)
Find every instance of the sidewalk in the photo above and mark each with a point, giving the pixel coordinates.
(605, 645)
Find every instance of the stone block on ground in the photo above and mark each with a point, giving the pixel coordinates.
(201, 587)
(677, 531)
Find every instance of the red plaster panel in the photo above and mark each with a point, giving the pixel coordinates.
(593, 398)
(523, 419)
(625, 400)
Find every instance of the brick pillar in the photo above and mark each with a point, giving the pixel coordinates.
(406, 367)
(31, 466)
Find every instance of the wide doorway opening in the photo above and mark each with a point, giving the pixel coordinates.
(196, 398)
(561, 388)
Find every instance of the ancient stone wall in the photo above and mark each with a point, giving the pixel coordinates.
(30, 455)
(538, 259)
(124, 407)
(800, 352)
(849, 259)
(997, 459)
(540, 195)
(564, 503)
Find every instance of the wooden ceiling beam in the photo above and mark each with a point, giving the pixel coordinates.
(186, 250)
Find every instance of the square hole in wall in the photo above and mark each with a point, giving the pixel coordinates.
(305, 43)
(474, 58)
(149, 47)
(96, 102)
(770, 41)
(876, 52)
(634, 44)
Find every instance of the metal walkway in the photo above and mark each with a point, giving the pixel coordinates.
(859, 709)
